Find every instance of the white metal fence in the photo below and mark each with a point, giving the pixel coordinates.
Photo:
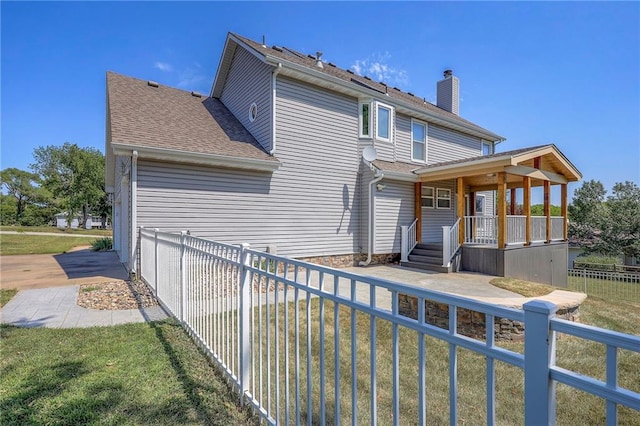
(516, 229)
(288, 335)
(606, 284)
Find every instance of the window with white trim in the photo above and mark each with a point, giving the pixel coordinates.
(364, 117)
(443, 198)
(384, 122)
(418, 141)
(428, 197)
(487, 148)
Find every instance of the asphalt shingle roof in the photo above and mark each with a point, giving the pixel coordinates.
(167, 118)
(309, 61)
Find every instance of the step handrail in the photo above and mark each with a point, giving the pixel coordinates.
(408, 240)
(450, 243)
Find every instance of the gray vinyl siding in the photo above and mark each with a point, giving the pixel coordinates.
(248, 81)
(434, 219)
(309, 207)
(403, 138)
(489, 200)
(394, 208)
(447, 145)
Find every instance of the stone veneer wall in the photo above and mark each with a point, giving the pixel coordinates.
(346, 260)
(472, 323)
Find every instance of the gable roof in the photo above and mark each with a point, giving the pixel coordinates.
(516, 161)
(553, 166)
(166, 123)
(298, 65)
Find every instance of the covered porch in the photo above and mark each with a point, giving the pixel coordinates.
(508, 223)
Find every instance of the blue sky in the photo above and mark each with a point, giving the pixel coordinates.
(536, 73)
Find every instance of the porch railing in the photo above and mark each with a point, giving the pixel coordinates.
(538, 229)
(408, 240)
(516, 229)
(480, 229)
(484, 229)
(450, 242)
(286, 334)
(557, 228)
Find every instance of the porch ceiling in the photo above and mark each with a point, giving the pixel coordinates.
(543, 163)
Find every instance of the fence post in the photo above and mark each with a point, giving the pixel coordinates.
(539, 355)
(404, 243)
(584, 280)
(155, 278)
(183, 277)
(245, 325)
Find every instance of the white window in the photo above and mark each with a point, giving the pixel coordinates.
(418, 141)
(428, 196)
(487, 148)
(364, 115)
(480, 203)
(384, 122)
(443, 198)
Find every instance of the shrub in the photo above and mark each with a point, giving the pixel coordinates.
(102, 244)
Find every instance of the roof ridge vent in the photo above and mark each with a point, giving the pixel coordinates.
(196, 94)
(152, 83)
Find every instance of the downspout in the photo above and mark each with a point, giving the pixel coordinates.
(372, 215)
(134, 211)
(273, 108)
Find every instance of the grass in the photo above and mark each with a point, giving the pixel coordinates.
(129, 374)
(6, 294)
(11, 244)
(102, 232)
(572, 353)
(102, 244)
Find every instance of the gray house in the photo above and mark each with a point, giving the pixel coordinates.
(297, 156)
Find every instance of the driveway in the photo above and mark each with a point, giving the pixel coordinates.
(56, 270)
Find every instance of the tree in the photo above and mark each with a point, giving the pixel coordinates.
(621, 232)
(23, 186)
(610, 227)
(75, 175)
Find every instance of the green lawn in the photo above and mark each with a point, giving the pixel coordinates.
(135, 374)
(101, 232)
(6, 294)
(11, 244)
(572, 353)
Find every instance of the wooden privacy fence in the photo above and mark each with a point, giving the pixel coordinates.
(288, 335)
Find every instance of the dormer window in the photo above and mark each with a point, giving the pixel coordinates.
(364, 118)
(487, 148)
(384, 122)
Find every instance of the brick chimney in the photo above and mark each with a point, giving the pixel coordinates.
(448, 93)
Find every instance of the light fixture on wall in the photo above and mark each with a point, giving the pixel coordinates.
(380, 186)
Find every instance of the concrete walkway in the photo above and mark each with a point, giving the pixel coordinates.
(56, 307)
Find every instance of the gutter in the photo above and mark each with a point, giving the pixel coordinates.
(378, 176)
(175, 155)
(273, 108)
(134, 211)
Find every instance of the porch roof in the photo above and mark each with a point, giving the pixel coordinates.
(541, 163)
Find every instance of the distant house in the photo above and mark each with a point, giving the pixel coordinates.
(92, 221)
(315, 162)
